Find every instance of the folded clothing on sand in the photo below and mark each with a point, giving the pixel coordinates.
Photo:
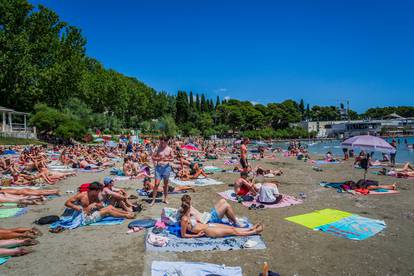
(159, 268)
(340, 224)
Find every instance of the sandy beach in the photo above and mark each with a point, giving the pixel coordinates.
(291, 248)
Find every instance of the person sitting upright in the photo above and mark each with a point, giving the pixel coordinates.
(242, 186)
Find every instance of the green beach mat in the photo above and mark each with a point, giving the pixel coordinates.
(8, 204)
(319, 218)
(12, 212)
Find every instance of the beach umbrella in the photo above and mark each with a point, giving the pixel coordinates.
(190, 147)
(368, 143)
(99, 140)
(111, 144)
(237, 141)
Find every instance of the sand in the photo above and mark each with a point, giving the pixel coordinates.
(291, 248)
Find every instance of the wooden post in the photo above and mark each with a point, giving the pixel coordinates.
(25, 126)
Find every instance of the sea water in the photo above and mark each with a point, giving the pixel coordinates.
(405, 152)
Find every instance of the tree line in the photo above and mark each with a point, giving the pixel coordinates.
(44, 70)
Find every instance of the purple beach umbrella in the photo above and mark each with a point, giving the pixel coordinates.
(368, 143)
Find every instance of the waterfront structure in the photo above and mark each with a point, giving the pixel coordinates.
(391, 125)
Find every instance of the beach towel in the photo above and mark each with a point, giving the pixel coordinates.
(160, 268)
(91, 170)
(4, 259)
(286, 201)
(12, 212)
(212, 169)
(319, 218)
(177, 244)
(142, 192)
(73, 219)
(195, 182)
(340, 224)
(8, 204)
(324, 162)
(354, 227)
(339, 189)
(122, 178)
(20, 187)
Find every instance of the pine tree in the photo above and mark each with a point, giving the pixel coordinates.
(198, 103)
(302, 109)
(203, 103)
(217, 102)
(191, 101)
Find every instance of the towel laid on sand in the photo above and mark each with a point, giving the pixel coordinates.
(74, 219)
(286, 201)
(20, 187)
(12, 212)
(121, 178)
(324, 162)
(212, 169)
(339, 188)
(340, 224)
(161, 268)
(142, 192)
(4, 259)
(177, 244)
(91, 170)
(354, 227)
(195, 182)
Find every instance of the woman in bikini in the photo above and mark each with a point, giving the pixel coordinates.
(191, 228)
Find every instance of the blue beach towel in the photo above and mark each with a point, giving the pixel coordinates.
(354, 227)
(323, 162)
(4, 260)
(142, 192)
(74, 219)
(159, 268)
(178, 244)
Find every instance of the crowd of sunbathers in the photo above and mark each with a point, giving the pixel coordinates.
(154, 163)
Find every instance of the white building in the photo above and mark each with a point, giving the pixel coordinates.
(18, 128)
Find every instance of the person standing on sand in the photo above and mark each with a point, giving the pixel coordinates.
(162, 157)
(243, 154)
(393, 154)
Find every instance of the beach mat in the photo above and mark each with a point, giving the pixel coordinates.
(195, 182)
(323, 162)
(73, 219)
(121, 178)
(90, 171)
(319, 218)
(12, 212)
(142, 192)
(20, 187)
(286, 201)
(337, 186)
(177, 244)
(161, 268)
(354, 227)
(4, 259)
(212, 169)
(340, 224)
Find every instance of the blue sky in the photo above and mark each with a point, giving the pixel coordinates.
(262, 51)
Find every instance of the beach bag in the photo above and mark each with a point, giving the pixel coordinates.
(169, 215)
(47, 220)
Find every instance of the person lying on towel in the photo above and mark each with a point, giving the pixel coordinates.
(89, 203)
(191, 227)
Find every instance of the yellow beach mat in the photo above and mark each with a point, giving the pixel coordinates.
(319, 218)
